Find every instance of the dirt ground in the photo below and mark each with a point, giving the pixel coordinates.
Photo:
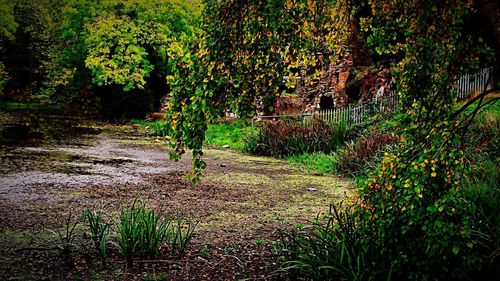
(241, 203)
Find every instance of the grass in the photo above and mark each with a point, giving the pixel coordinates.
(217, 135)
(142, 232)
(493, 107)
(99, 232)
(317, 162)
(19, 106)
(231, 135)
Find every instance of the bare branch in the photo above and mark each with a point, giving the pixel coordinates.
(472, 101)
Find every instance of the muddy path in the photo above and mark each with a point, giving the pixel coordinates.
(241, 203)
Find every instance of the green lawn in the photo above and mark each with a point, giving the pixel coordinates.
(492, 107)
(317, 162)
(228, 134)
(218, 135)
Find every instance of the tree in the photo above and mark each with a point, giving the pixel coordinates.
(121, 45)
(7, 28)
(8, 24)
(247, 55)
(415, 190)
(413, 194)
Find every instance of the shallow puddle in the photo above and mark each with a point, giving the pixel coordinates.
(72, 154)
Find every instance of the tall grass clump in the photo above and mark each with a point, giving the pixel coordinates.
(332, 248)
(141, 232)
(481, 189)
(99, 232)
(281, 139)
(182, 235)
(153, 232)
(360, 157)
(65, 239)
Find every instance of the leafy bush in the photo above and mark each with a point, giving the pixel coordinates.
(360, 157)
(281, 139)
(344, 245)
(406, 201)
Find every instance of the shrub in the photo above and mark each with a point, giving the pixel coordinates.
(419, 222)
(281, 139)
(360, 157)
(382, 123)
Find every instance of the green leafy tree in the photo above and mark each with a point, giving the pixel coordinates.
(28, 50)
(410, 206)
(414, 194)
(248, 54)
(122, 42)
(115, 54)
(121, 46)
(8, 26)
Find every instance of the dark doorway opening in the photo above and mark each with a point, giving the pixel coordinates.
(326, 102)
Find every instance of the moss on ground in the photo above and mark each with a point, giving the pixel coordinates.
(276, 187)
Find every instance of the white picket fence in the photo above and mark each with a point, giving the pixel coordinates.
(467, 85)
(357, 113)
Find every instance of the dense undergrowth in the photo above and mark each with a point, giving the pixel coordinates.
(343, 245)
(282, 139)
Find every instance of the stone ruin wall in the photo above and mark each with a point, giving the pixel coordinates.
(340, 83)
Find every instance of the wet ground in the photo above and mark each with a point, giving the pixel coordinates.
(96, 157)
(48, 169)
